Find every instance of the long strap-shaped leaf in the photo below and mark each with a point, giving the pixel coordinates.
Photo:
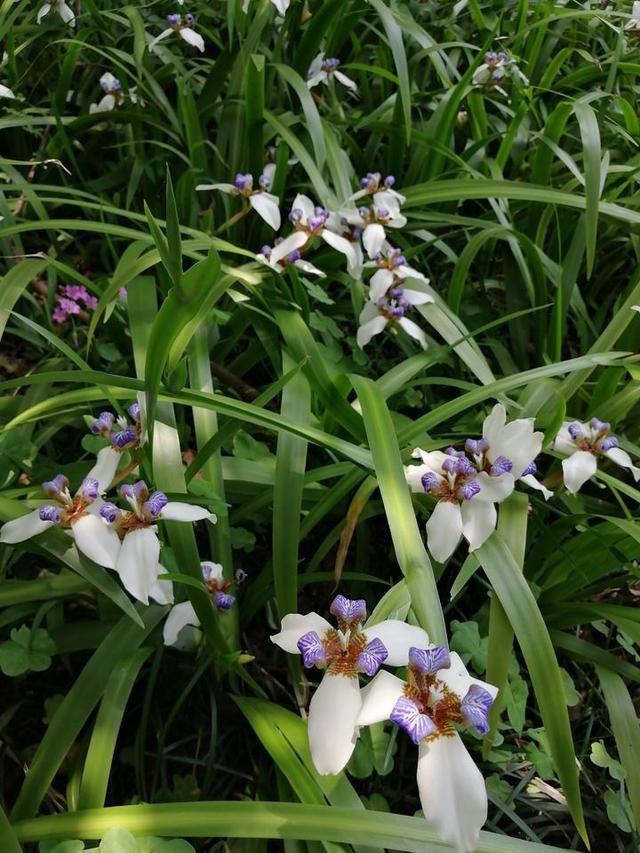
(626, 731)
(407, 542)
(263, 820)
(531, 632)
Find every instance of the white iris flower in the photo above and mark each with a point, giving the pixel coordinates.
(326, 71)
(65, 12)
(343, 654)
(183, 615)
(437, 697)
(261, 200)
(582, 444)
(468, 483)
(183, 27)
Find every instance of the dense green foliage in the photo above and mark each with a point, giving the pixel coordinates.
(522, 208)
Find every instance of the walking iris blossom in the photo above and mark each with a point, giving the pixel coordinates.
(128, 437)
(326, 71)
(183, 614)
(113, 96)
(467, 483)
(65, 12)
(497, 66)
(78, 514)
(183, 27)
(137, 561)
(309, 221)
(263, 202)
(343, 654)
(438, 696)
(389, 299)
(582, 444)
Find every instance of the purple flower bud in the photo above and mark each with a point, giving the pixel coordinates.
(389, 181)
(89, 489)
(296, 215)
(608, 443)
(397, 311)
(265, 182)
(356, 232)
(531, 468)
(575, 431)
(451, 451)
(156, 503)
(429, 661)
(600, 426)
(266, 251)
(464, 467)
(57, 487)
(173, 19)
(190, 19)
(294, 256)
(502, 465)
(475, 708)
(50, 513)
(134, 412)
(110, 512)
(399, 261)
(469, 489)
(224, 600)
(396, 292)
(449, 465)
(348, 610)
(207, 570)
(429, 481)
(317, 221)
(490, 57)
(382, 213)
(363, 211)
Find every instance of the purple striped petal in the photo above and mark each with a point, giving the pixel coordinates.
(49, 513)
(348, 610)
(475, 708)
(502, 465)
(406, 714)
(312, 651)
(110, 512)
(89, 489)
(608, 443)
(223, 600)
(156, 503)
(372, 657)
(123, 438)
(429, 661)
(57, 486)
(102, 424)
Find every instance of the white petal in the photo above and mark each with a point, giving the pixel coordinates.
(22, 528)
(268, 207)
(269, 171)
(478, 521)
(622, 458)
(346, 81)
(228, 189)
(533, 483)
(452, 792)
(305, 266)
(389, 200)
(333, 712)
(417, 297)
(296, 625)
(379, 698)
(414, 331)
(214, 570)
(305, 205)
(432, 458)
(96, 540)
(281, 5)
(397, 638)
(380, 282)
(316, 64)
(444, 530)
(108, 81)
(5, 92)
(577, 469)
(192, 37)
(42, 11)
(563, 443)
(494, 489)
(138, 562)
(105, 468)
(289, 244)
(320, 77)
(515, 440)
(177, 511)
(163, 35)
(161, 591)
(340, 244)
(369, 329)
(179, 616)
(373, 237)
(355, 263)
(66, 13)
(458, 680)
(494, 423)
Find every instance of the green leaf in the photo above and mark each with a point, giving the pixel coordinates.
(601, 758)
(626, 731)
(407, 542)
(13, 284)
(26, 651)
(533, 637)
